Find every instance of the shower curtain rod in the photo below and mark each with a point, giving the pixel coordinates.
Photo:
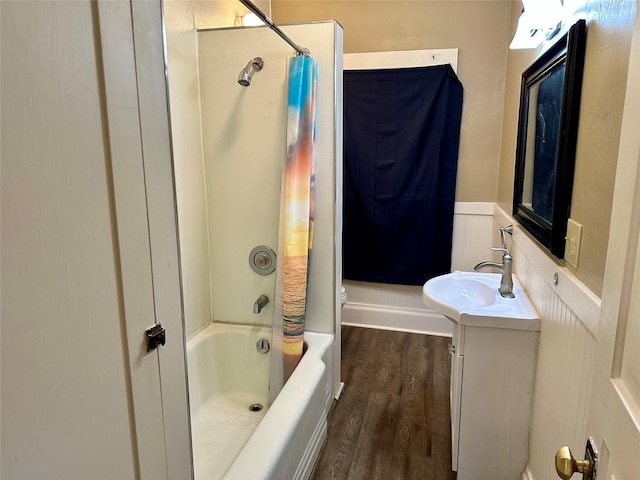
(299, 50)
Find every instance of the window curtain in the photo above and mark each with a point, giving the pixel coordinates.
(401, 138)
(296, 222)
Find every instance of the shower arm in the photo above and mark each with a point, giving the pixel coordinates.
(300, 51)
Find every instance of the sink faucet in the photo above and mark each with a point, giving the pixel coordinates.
(506, 282)
(260, 303)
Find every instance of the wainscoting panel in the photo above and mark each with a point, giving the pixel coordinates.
(566, 354)
(472, 235)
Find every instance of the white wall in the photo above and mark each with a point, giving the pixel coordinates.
(244, 147)
(66, 410)
(182, 18)
(188, 161)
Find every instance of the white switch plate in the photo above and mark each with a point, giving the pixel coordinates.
(572, 243)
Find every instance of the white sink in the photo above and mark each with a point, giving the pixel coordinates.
(472, 298)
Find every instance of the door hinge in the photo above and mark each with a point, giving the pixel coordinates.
(156, 335)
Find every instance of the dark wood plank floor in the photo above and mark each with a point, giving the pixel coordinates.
(392, 420)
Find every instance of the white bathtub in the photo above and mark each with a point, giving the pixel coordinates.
(226, 376)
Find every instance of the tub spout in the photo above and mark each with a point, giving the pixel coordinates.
(260, 303)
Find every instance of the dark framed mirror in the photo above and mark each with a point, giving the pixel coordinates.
(547, 134)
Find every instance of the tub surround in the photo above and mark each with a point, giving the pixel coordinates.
(188, 156)
(243, 159)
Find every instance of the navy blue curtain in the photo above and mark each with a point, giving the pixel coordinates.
(401, 137)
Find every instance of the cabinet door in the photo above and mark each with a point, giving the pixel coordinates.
(495, 402)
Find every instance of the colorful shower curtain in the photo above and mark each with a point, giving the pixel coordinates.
(296, 222)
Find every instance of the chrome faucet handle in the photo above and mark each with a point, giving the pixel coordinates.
(503, 234)
(504, 250)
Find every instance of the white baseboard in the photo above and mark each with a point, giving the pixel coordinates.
(396, 318)
(339, 392)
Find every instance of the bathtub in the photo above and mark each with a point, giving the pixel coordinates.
(229, 381)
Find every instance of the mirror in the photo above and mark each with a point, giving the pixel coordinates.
(546, 144)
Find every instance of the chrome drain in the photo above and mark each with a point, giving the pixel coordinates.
(256, 407)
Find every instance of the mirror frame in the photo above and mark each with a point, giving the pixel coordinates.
(570, 51)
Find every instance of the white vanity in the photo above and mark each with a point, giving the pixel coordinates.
(492, 365)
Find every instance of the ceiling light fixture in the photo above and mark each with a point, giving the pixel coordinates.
(539, 21)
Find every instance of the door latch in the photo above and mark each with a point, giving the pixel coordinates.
(156, 335)
(567, 465)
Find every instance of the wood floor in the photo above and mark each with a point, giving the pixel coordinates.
(392, 420)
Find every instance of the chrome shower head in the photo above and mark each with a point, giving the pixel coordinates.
(244, 78)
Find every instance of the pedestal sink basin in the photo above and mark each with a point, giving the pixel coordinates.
(472, 298)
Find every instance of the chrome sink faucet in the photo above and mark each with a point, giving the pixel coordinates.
(506, 282)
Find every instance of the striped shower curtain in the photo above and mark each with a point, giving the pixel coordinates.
(296, 222)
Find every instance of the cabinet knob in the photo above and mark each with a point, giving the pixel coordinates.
(567, 465)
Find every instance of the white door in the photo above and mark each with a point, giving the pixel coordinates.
(86, 187)
(614, 418)
(139, 136)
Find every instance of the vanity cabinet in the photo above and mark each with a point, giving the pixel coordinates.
(491, 389)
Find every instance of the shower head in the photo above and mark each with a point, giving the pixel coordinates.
(244, 78)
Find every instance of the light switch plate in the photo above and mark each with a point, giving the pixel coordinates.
(572, 243)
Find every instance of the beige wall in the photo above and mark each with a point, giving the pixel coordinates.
(222, 13)
(481, 33)
(491, 76)
(608, 42)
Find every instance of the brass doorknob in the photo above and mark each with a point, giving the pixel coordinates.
(566, 465)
